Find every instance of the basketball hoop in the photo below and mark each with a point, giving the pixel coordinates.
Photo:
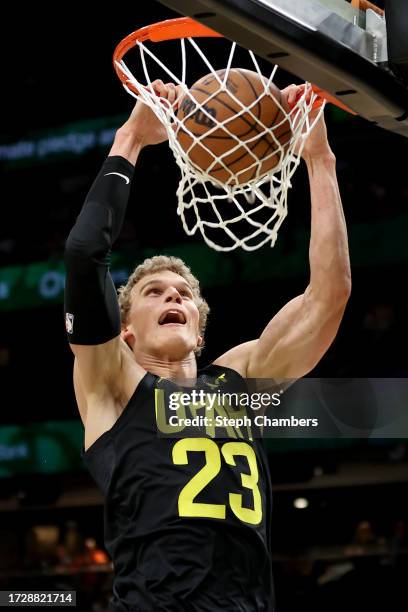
(232, 213)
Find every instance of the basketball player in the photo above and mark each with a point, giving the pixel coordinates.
(186, 519)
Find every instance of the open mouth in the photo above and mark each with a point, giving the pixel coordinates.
(172, 317)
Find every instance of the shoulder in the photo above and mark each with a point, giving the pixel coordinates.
(221, 376)
(237, 358)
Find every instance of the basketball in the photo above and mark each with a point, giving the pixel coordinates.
(245, 108)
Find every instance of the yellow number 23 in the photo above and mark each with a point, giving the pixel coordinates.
(186, 504)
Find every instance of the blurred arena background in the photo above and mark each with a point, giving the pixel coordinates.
(340, 508)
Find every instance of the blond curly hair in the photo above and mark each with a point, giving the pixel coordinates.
(159, 263)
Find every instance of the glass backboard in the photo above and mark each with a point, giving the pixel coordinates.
(338, 45)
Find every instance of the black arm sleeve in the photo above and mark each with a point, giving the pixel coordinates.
(91, 306)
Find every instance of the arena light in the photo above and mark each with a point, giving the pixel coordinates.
(300, 503)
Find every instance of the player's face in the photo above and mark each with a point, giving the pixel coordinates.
(164, 319)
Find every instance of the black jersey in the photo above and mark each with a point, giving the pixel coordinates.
(186, 519)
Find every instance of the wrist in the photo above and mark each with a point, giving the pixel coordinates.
(128, 144)
(325, 158)
(130, 135)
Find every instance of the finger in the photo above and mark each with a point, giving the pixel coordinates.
(159, 88)
(171, 92)
(309, 93)
(285, 97)
(179, 96)
(180, 91)
(296, 93)
(290, 95)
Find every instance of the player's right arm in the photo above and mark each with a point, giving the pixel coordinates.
(91, 307)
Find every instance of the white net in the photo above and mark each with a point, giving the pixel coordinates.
(247, 207)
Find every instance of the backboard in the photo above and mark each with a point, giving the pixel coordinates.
(338, 45)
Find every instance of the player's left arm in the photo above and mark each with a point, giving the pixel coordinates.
(301, 332)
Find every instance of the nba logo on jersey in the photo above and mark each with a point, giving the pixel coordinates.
(69, 322)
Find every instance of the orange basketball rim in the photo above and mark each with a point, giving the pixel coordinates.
(184, 27)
